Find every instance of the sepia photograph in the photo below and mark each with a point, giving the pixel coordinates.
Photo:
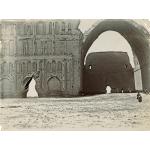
(74, 74)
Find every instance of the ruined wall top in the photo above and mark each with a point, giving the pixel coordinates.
(38, 27)
(143, 24)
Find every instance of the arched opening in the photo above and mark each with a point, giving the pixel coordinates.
(6, 87)
(111, 41)
(54, 86)
(29, 87)
(32, 90)
(136, 37)
(112, 60)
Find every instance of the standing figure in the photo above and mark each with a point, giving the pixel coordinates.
(108, 89)
(139, 97)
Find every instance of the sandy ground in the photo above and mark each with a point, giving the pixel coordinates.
(100, 112)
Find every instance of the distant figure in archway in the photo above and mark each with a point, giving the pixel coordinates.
(108, 89)
(146, 91)
(129, 90)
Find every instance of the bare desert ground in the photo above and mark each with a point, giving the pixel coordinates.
(100, 112)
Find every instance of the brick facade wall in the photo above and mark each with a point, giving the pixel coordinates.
(52, 47)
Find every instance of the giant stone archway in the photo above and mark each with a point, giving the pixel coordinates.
(136, 32)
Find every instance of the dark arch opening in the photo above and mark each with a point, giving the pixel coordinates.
(32, 89)
(29, 87)
(136, 36)
(109, 61)
(54, 86)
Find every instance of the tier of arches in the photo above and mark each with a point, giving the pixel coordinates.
(41, 28)
(21, 67)
(38, 28)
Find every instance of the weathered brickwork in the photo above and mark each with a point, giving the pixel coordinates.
(51, 47)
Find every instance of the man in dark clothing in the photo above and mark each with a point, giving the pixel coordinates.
(139, 97)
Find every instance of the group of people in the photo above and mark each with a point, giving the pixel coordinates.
(109, 89)
(139, 96)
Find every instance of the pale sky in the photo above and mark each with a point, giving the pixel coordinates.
(107, 41)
